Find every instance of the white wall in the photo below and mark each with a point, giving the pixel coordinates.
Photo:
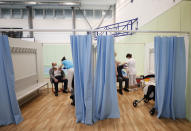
(59, 37)
(53, 37)
(15, 23)
(136, 49)
(145, 10)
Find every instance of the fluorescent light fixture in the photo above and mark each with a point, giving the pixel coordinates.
(18, 3)
(31, 3)
(70, 3)
(1, 2)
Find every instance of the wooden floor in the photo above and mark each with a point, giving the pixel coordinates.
(47, 112)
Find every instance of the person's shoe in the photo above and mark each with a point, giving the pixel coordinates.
(71, 97)
(120, 92)
(73, 104)
(125, 89)
(64, 91)
(56, 94)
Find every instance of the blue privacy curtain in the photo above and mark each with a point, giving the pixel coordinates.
(170, 68)
(105, 93)
(9, 109)
(82, 54)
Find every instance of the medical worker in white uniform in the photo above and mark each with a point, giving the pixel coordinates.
(131, 70)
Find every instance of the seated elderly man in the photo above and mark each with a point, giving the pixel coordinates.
(57, 75)
(120, 78)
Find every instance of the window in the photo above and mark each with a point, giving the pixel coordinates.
(16, 13)
(89, 13)
(24, 13)
(109, 13)
(59, 13)
(39, 13)
(49, 13)
(97, 13)
(68, 13)
(79, 13)
(6, 13)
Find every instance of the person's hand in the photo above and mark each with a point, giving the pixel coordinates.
(55, 80)
(118, 62)
(60, 67)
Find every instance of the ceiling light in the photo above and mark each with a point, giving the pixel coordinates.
(1, 2)
(31, 3)
(70, 3)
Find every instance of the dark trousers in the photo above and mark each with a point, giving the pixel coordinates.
(60, 79)
(120, 80)
(72, 94)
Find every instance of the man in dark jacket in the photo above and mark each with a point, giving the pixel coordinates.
(57, 75)
(120, 77)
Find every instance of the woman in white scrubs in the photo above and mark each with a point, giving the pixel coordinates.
(131, 70)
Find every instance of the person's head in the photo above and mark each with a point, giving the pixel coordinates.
(54, 64)
(63, 58)
(128, 56)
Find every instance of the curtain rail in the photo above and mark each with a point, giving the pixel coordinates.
(86, 30)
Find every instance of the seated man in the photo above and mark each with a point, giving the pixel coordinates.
(121, 78)
(56, 76)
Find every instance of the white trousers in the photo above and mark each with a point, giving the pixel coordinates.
(70, 74)
(132, 80)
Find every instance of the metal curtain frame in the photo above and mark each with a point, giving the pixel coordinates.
(93, 31)
(128, 25)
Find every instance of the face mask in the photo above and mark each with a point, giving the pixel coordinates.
(55, 67)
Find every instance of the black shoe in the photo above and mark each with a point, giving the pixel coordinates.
(125, 89)
(64, 91)
(56, 94)
(73, 104)
(72, 96)
(120, 92)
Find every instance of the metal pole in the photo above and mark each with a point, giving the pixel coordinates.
(102, 19)
(73, 20)
(30, 20)
(87, 30)
(114, 14)
(85, 19)
(114, 17)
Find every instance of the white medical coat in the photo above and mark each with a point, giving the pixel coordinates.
(131, 66)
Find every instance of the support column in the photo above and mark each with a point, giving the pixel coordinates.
(73, 20)
(114, 13)
(30, 20)
(114, 18)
